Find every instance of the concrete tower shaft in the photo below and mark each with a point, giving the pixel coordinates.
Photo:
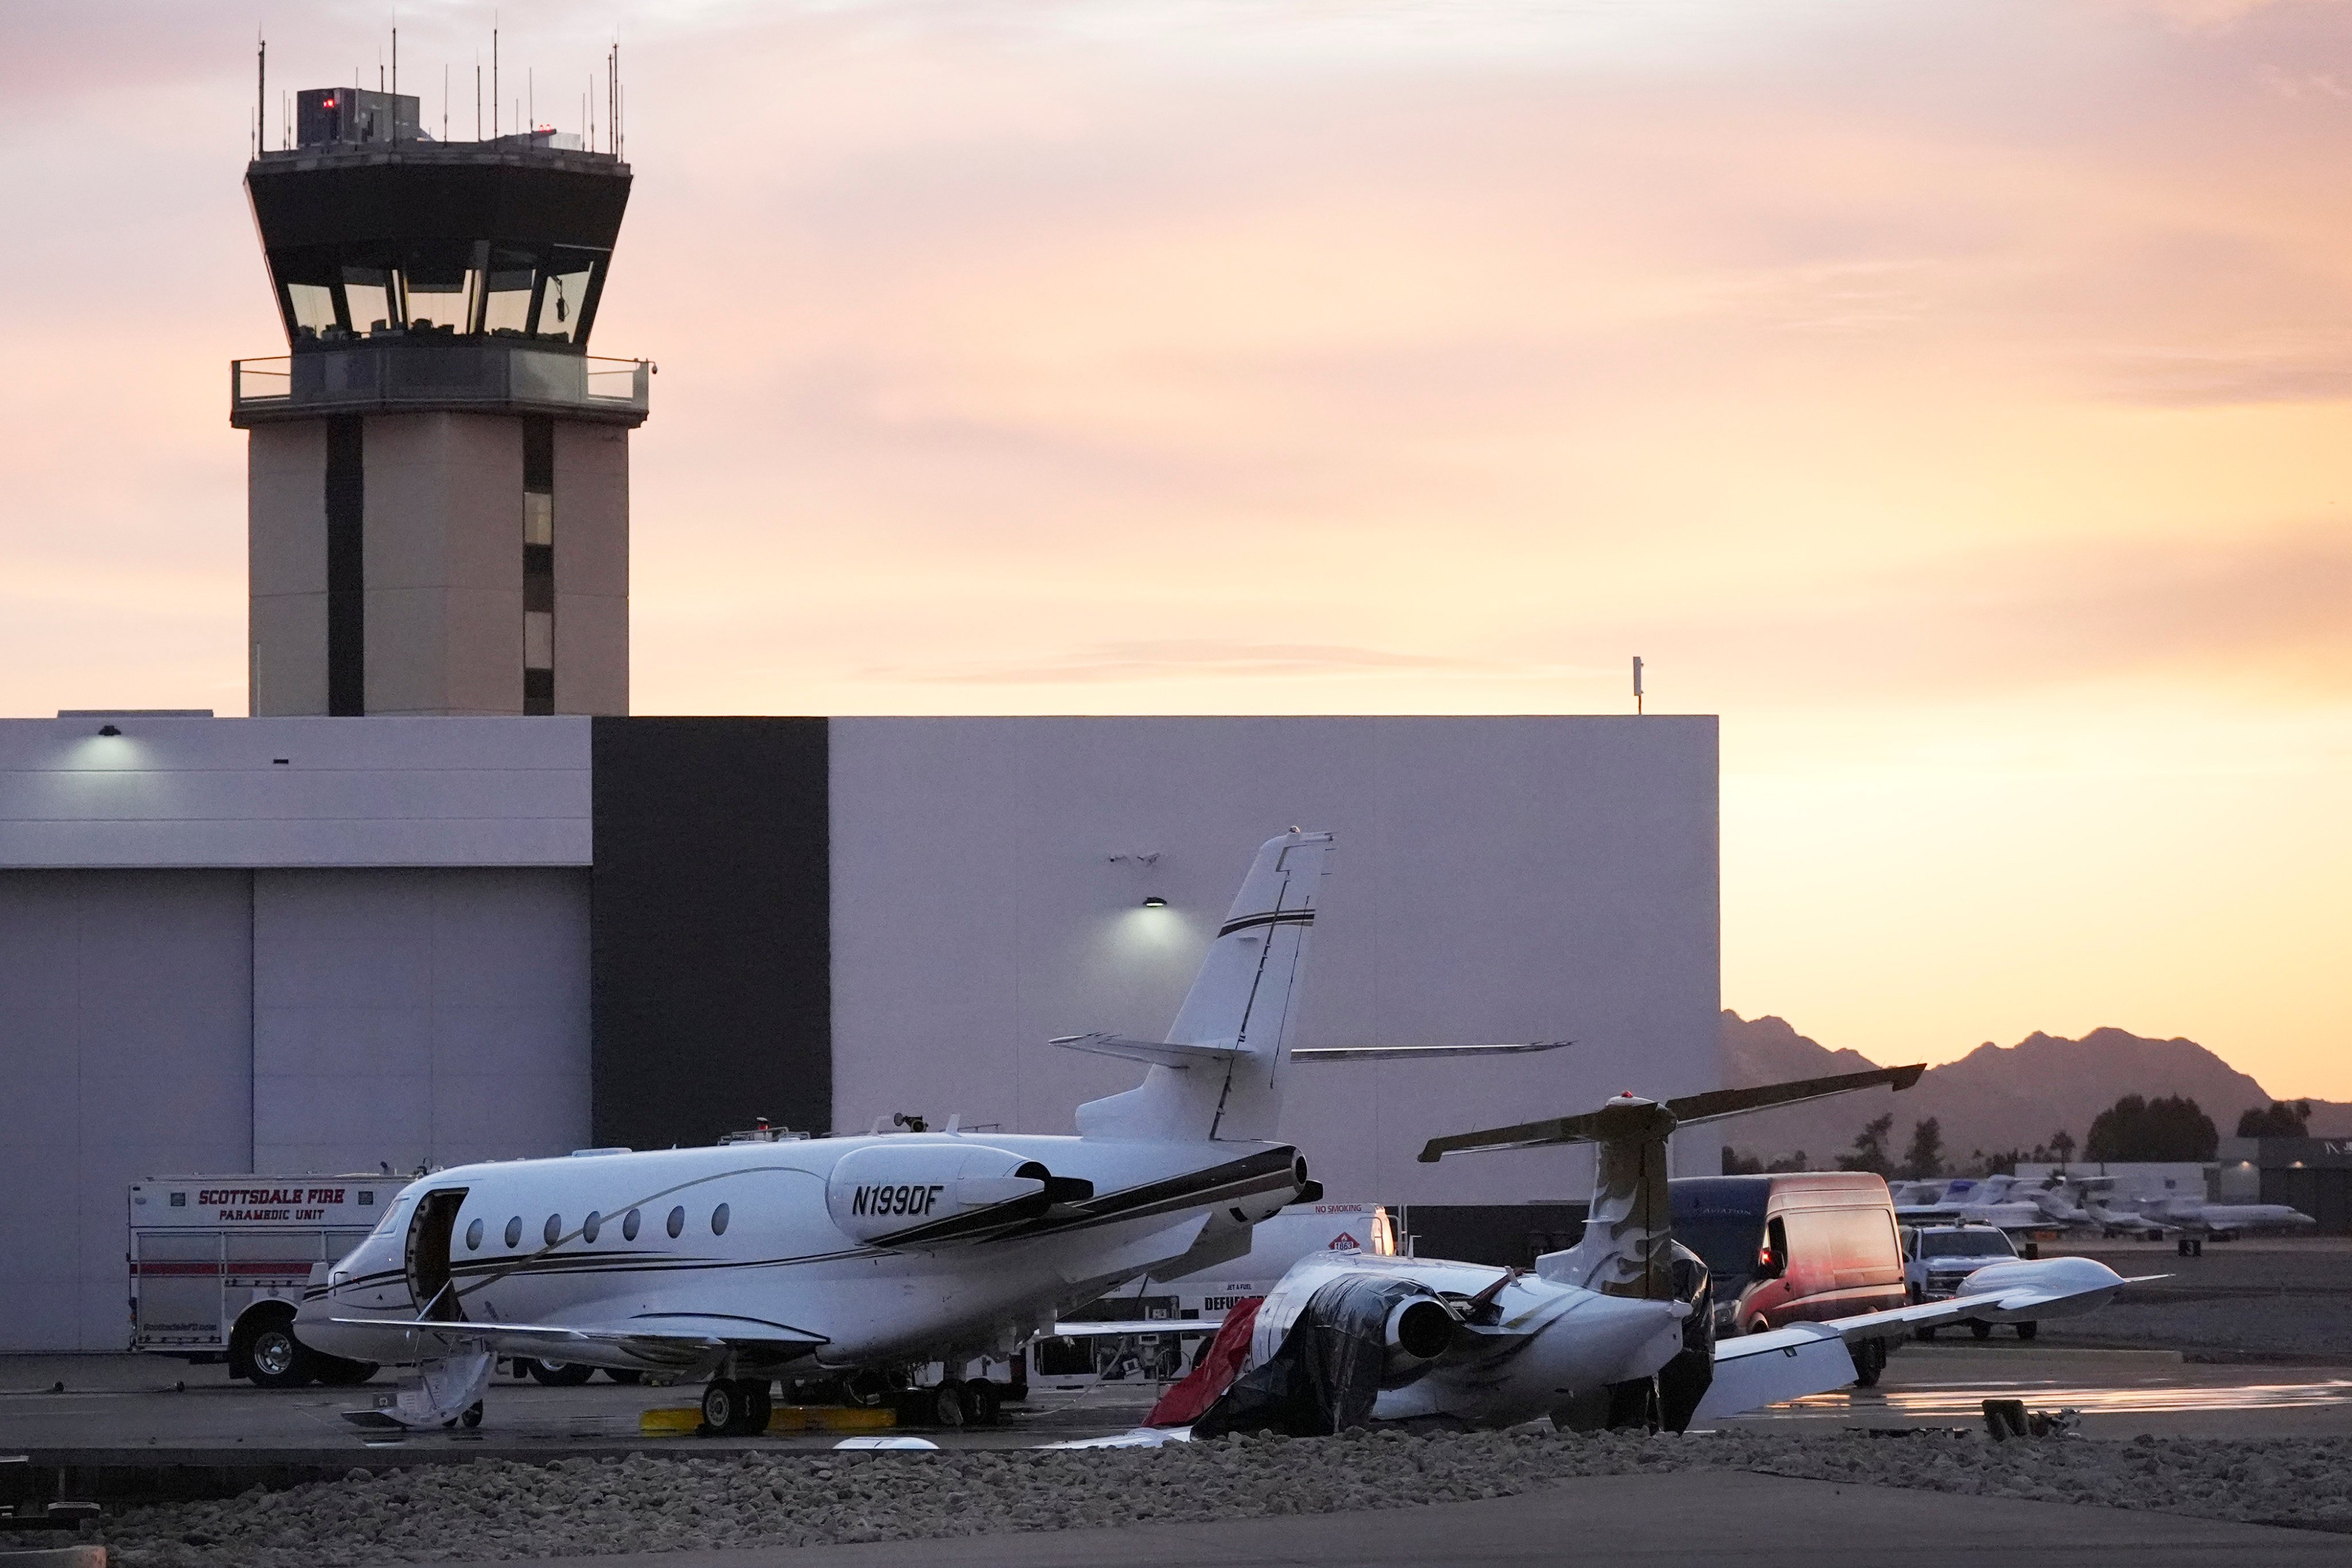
(438, 514)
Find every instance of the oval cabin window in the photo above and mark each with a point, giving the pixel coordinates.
(629, 1226)
(552, 1229)
(514, 1231)
(719, 1220)
(591, 1226)
(678, 1221)
(474, 1236)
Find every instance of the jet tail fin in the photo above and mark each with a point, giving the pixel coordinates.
(1230, 1048)
(1628, 1245)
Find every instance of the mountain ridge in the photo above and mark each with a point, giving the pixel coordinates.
(1994, 1098)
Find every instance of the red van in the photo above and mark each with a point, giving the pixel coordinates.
(1790, 1248)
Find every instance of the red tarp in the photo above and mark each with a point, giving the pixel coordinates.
(1213, 1373)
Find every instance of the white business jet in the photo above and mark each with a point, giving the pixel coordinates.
(2198, 1222)
(822, 1256)
(1615, 1331)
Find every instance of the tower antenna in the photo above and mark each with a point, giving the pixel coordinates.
(494, 74)
(261, 92)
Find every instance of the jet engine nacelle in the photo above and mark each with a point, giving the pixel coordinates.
(1419, 1330)
(936, 1194)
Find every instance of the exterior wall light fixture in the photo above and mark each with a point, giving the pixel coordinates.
(1155, 902)
(108, 730)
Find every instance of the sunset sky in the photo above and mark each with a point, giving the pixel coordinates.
(1957, 399)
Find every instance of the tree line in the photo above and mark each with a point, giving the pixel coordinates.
(2135, 1129)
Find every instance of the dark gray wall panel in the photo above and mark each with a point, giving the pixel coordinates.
(710, 928)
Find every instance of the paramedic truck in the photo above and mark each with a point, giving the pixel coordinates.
(218, 1263)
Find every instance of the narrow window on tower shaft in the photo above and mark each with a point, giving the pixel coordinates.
(538, 565)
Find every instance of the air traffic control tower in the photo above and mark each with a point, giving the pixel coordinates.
(438, 475)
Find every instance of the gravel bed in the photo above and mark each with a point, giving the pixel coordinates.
(500, 1508)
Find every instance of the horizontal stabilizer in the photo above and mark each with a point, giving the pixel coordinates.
(1723, 1102)
(1159, 1053)
(1416, 1053)
(1641, 1118)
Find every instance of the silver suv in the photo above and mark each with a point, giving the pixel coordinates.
(1937, 1258)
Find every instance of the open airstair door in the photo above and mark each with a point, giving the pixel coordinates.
(427, 1255)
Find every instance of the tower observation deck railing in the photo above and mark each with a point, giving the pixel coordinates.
(402, 376)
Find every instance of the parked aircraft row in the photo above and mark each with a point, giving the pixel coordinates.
(747, 1262)
(2083, 1205)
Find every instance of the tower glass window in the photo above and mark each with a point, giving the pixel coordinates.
(372, 298)
(513, 277)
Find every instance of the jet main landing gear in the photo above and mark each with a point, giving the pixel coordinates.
(736, 1406)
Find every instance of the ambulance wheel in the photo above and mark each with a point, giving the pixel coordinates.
(1979, 1327)
(984, 1401)
(275, 1356)
(473, 1416)
(2027, 1331)
(1869, 1361)
(624, 1374)
(947, 1403)
(561, 1374)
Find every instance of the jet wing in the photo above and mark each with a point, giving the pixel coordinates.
(1079, 1331)
(1755, 1370)
(682, 1338)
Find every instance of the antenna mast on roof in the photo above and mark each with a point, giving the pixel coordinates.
(261, 92)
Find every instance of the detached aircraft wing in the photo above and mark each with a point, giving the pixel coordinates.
(1755, 1370)
(1079, 1331)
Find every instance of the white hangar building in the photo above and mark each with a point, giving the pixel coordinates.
(445, 900)
(327, 944)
